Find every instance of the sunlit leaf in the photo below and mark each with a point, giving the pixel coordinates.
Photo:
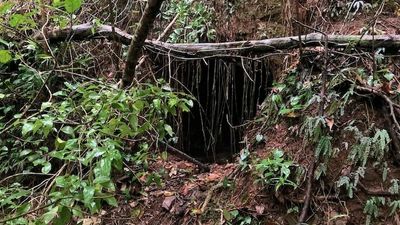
(72, 5)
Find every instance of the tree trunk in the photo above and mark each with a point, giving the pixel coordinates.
(138, 40)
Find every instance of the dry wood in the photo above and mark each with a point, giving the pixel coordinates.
(90, 31)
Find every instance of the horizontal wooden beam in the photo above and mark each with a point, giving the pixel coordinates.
(89, 31)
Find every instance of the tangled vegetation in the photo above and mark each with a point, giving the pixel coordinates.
(75, 143)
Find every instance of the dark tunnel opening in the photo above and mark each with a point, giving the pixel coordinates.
(227, 94)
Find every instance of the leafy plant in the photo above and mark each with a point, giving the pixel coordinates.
(366, 147)
(371, 208)
(234, 217)
(194, 21)
(275, 171)
(86, 129)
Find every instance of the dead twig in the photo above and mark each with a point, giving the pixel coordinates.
(185, 156)
(386, 99)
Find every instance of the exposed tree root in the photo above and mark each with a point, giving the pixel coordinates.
(307, 199)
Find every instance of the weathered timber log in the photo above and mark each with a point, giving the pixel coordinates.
(89, 31)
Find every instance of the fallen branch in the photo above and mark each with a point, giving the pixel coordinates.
(380, 193)
(209, 195)
(185, 156)
(90, 31)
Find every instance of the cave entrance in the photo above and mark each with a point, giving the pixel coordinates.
(227, 93)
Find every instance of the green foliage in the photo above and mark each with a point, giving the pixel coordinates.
(87, 128)
(5, 56)
(350, 182)
(275, 171)
(371, 208)
(312, 128)
(194, 21)
(366, 147)
(235, 217)
(288, 99)
(72, 5)
(244, 159)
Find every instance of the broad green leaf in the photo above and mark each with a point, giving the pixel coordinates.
(25, 152)
(111, 201)
(5, 56)
(172, 102)
(59, 143)
(26, 128)
(45, 105)
(126, 131)
(88, 193)
(72, 5)
(389, 76)
(5, 7)
(24, 208)
(46, 168)
(157, 103)
(68, 130)
(168, 128)
(50, 215)
(47, 125)
(227, 215)
(64, 216)
(37, 125)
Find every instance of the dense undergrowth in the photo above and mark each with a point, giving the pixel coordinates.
(62, 152)
(339, 134)
(66, 134)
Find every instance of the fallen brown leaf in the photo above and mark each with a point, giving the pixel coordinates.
(168, 201)
(260, 209)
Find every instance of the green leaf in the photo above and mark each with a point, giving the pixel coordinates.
(169, 130)
(37, 125)
(234, 213)
(164, 155)
(157, 103)
(47, 125)
(111, 201)
(26, 128)
(45, 105)
(46, 168)
(389, 76)
(72, 5)
(5, 7)
(5, 56)
(25, 152)
(50, 215)
(68, 130)
(227, 215)
(88, 193)
(59, 143)
(64, 216)
(16, 20)
(24, 208)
